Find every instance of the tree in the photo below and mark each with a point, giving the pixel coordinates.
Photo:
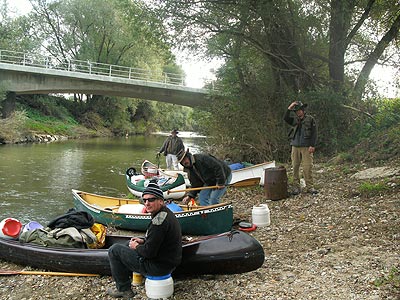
(343, 38)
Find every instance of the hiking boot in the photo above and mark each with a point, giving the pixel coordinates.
(117, 294)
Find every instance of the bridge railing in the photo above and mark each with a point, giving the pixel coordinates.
(88, 67)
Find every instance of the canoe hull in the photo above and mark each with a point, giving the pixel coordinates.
(228, 253)
(201, 221)
(137, 186)
(256, 171)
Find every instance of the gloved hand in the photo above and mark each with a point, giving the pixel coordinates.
(158, 154)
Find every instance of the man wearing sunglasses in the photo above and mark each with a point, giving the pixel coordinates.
(157, 254)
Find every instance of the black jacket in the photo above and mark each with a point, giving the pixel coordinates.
(206, 170)
(172, 145)
(163, 243)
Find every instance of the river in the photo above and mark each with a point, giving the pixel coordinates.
(36, 179)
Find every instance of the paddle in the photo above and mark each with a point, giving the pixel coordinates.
(242, 183)
(9, 272)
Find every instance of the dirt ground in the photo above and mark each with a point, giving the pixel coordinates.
(340, 244)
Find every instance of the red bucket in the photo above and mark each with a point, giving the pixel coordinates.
(10, 228)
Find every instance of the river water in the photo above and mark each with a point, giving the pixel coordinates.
(36, 179)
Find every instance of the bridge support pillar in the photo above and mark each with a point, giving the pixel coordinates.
(8, 106)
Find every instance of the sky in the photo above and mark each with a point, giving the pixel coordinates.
(199, 71)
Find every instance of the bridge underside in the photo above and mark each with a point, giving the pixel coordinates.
(31, 80)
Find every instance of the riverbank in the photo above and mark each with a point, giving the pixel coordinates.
(343, 243)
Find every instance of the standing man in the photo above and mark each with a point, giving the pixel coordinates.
(172, 145)
(303, 137)
(158, 254)
(205, 170)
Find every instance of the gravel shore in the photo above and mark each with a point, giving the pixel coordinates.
(339, 244)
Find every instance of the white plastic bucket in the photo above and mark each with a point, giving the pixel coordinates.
(10, 228)
(261, 215)
(159, 286)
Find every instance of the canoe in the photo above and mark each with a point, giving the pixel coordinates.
(255, 171)
(227, 253)
(127, 214)
(149, 169)
(137, 185)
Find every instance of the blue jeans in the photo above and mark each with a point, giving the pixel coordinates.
(212, 196)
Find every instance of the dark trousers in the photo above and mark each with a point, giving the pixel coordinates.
(124, 261)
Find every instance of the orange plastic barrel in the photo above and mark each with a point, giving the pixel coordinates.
(275, 185)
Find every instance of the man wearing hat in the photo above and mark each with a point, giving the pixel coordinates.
(157, 254)
(172, 145)
(205, 170)
(303, 137)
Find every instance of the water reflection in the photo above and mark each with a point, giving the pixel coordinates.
(36, 179)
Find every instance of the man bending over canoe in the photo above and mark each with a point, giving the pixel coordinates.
(158, 254)
(205, 170)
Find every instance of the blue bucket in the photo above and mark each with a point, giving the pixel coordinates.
(163, 277)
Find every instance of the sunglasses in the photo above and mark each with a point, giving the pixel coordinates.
(150, 199)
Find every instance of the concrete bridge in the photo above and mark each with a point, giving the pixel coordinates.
(32, 74)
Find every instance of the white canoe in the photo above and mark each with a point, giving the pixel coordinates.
(256, 171)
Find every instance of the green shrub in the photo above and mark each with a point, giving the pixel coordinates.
(393, 278)
(371, 189)
(388, 113)
(345, 157)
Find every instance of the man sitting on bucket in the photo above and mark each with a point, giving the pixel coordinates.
(158, 254)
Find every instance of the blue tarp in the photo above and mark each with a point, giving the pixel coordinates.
(174, 207)
(236, 166)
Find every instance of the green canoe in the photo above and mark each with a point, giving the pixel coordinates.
(127, 214)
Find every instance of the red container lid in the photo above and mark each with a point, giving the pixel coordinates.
(11, 227)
